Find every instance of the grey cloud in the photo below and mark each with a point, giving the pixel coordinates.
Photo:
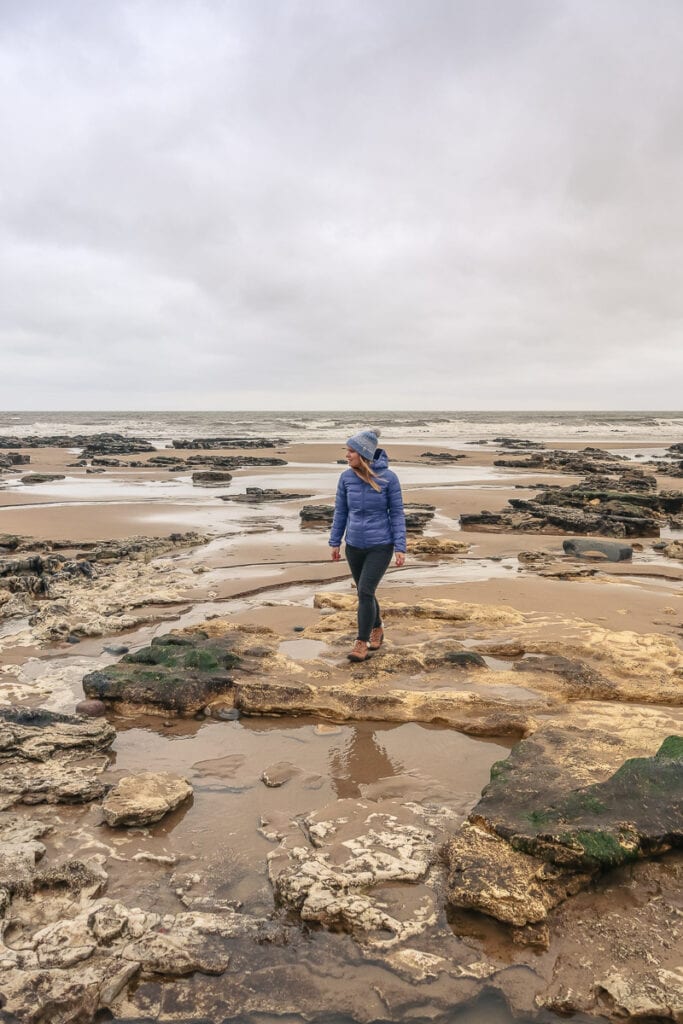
(341, 204)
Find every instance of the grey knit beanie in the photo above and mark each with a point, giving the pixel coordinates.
(365, 443)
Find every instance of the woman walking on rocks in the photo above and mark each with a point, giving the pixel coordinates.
(369, 509)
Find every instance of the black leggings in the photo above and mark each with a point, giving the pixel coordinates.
(368, 565)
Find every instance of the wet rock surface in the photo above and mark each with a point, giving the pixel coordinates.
(627, 506)
(41, 478)
(542, 831)
(77, 966)
(442, 458)
(211, 478)
(258, 495)
(52, 758)
(338, 872)
(175, 673)
(8, 460)
(93, 589)
(93, 444)
(144, 798)
(231, 442)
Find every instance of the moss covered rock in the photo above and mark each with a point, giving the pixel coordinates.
(175, 673)
(546, 822)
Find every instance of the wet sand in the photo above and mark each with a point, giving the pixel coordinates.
(262, 568)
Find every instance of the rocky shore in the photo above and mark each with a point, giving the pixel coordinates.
(556, 883)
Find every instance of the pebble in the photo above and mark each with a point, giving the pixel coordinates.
(91, 708)
(117, 649)
(299, 629)
(229, 714)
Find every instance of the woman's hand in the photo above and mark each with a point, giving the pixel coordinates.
(336, 556)
(400, 558)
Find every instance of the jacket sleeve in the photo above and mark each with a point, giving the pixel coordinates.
(396, 514)
(341, 514)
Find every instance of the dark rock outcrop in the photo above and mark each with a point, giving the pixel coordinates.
(593, 506)
(438, 458)
(175, 673)
(207, 443)
(41, 478)
(211, 478)
(258, 495)
(611, 550)
(536, 837)
(8, 460)
(317, 515)
(587, 460)
(93, 444)
(416, 515)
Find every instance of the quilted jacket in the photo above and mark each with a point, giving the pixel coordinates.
(367, 516)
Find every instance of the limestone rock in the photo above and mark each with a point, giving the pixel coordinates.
(536, 837)
(658, 996)
(144, 798)
(40, 753)
(175, 673)
(73, 967)
(340, 880)
(674, 549)
(471, 713)
(488, 875)
(437, 546)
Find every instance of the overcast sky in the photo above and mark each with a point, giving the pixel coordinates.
(311, 204)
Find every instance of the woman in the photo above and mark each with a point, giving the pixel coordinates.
(369, 508)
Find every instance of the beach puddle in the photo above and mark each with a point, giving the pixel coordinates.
(303, 650)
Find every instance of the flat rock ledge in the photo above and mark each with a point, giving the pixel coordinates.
(175, 673)
(351, 867)
(51, 758)
(144, 798)
(562, 809)
(70, 969)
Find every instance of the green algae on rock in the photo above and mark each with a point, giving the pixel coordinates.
(175, 673)
(535, 837)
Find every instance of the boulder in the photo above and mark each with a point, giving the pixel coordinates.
(41, 754)
(175, 673)
(258, 495)
(144, 798)
(583, 548)
(211, 478)
(41, 478)
(317, 515)
(536, 837)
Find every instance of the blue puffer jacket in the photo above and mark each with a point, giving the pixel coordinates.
(369, 517)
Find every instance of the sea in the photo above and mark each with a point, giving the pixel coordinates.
(447, 428)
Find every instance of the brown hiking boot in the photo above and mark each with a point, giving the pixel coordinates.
(376, 639)
(359, 652)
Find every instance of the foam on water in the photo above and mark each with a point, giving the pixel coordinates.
(447, 428)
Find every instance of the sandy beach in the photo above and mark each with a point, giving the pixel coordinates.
(256, 568)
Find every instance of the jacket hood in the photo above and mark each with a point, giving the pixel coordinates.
(380, 461)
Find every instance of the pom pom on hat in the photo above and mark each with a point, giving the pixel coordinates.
(365, 443)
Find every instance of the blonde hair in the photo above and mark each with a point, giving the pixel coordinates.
(367, 473)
